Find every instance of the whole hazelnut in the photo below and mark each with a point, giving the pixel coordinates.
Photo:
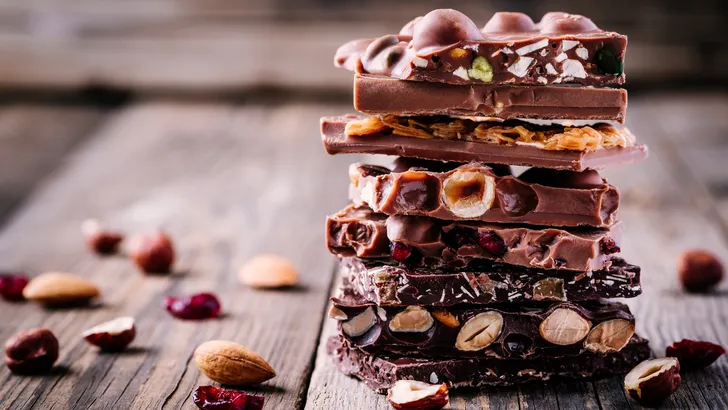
(443, 27)
(153, 252)
(699, 270)
(100, 240)
(32, 351)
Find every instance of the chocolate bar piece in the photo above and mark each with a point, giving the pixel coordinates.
(336, 141)
(418, 240)
(476, 192)
(522, 330)
(381, 95)
(380, 372)
(446, 46)
(485, 282)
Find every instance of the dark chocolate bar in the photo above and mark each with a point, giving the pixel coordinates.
(381, 95)
(484, 283)
(446, 46)
(522, 330)
(380, 372)
(336, 141)
(419, 240)
(475, 192)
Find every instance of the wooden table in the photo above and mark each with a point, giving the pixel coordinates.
(229, 181)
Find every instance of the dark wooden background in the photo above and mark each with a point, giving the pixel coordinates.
(202, 118)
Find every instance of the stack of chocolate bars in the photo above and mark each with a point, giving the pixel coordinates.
(454, 269)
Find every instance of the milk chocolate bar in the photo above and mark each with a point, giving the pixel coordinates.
(476, 192)
(418, 240)
(446, 46)
(336, 141)
(508, 330)
(381, 95)
(484, 282)
(379, 372)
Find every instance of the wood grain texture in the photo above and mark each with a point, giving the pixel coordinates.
(34, 140)
(225, 190)
(666, 208)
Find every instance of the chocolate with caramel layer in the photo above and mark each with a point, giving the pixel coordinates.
(418, 240)
(380, 371)
(336, 141)
(476, 192)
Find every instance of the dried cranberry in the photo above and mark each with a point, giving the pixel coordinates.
(214, 398)
(694, 355)
(492, 243)
(608, 246)
(12, 285)
(400, 251)
(195, 307)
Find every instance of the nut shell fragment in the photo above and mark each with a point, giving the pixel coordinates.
(653, 381)
(359, 324)
(480, 331)
(610, 336)
(446, 318)
(413, 319)
(468, 194)
(564, 327)
(232, 364)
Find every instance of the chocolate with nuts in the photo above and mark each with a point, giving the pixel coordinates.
(336, 141)
(485, 283)
(446, 46)
(436, 243)
(476, 192)
(381, 95)
(380, 371)
(504, 331)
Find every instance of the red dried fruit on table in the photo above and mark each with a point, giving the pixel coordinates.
(693, 354)
(492, 243)
(608, 246)
(214, 398)
(12, 285)
(400, 251)
(194, 307)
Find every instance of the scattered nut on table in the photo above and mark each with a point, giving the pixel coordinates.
(32, 351)
(153, 252)
(699, 270)
(414, 395)
(653, 381)
(58, 288)
(268, 271)
(100, 239)
(114, 335)
(232, 364)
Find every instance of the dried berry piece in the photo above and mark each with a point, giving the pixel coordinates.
(653, 381)
(608, 63)
(195, 307)
(608, 246)
(699, 270)
(32, 351)
(693, 354)
(492, 243)
(100, 240)
(400, 251)
(414, 395)
(153, 252)
(12, 285)
(215, 398)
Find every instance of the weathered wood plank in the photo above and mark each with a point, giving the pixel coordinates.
(35, 139)
(663, 214)
(225, 189)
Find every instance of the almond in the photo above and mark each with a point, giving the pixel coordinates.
(54, 288)
(232, 364)
(268, 271)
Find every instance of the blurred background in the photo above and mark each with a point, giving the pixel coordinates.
(233, 46)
